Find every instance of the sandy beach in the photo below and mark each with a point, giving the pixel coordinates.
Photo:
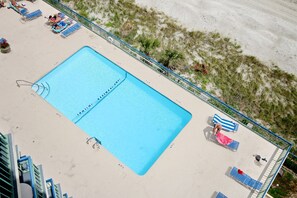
(265, 29)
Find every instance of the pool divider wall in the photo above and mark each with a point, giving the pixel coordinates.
(92, 105)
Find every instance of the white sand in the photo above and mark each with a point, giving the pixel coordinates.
(266, 29)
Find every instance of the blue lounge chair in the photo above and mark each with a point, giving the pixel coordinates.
(70, 30)
(245, 179)
(21, 11)
(62, 26)
(32, 15)
(221, 195)
(233, 145)
(227, 125)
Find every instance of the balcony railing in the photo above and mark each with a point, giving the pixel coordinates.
(190, 87)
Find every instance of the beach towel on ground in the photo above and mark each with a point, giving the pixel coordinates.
(222, 139)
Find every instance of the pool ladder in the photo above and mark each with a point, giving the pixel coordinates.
(97, 142)
(42, 90)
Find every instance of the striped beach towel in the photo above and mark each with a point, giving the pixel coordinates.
(227, 125)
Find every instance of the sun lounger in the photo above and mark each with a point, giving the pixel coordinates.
(221, 195)
(70, 30)
(21, 11)
(32, 15)
(227, 125)
(62, 26)
(245, 179)
(226, 141)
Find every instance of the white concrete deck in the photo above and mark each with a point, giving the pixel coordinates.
(192, 166)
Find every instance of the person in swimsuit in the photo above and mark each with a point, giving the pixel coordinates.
(217, 128)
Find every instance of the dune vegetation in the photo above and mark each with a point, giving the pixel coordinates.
(213, 62)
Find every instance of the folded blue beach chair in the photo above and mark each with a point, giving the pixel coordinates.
(245, 179)
(221, 195)
(32, 15)
(227, 125)
(70, 30)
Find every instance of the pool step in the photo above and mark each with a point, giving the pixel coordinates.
(42, 89)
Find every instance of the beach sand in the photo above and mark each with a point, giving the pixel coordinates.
(266, 29)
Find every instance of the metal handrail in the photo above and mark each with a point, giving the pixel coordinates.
(97, 142)
(293, 156)
(276, 172)
(28, 83)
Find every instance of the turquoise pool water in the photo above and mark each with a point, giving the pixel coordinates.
(133, 121)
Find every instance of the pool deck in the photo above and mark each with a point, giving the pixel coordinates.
(192, 166)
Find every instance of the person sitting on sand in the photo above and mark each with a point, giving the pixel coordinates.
(204, 70)
(201, 68)
(217, 128)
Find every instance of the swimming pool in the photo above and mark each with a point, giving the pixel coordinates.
(133, 121)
